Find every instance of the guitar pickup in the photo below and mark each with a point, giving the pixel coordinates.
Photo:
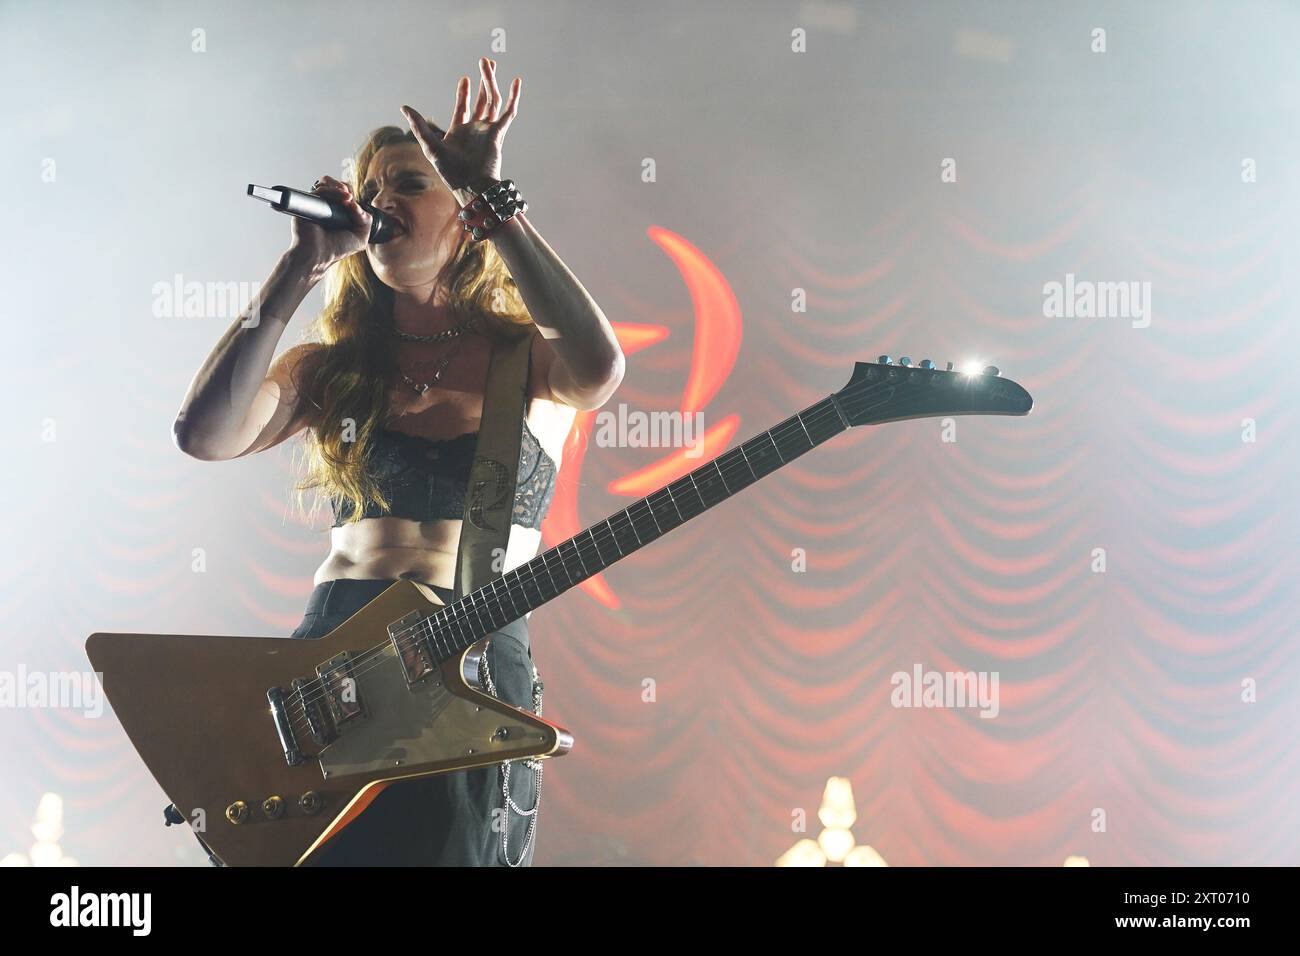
(411, 645)
(339, 691)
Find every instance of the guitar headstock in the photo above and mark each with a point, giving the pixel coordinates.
(881, 391)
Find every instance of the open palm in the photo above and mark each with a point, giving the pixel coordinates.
(468, 154)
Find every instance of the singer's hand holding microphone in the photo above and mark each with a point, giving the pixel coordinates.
(329, 223)
(321, 247)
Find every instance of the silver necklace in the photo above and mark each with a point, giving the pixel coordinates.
(422, 387)
(445, 334)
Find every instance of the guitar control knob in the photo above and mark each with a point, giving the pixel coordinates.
(310, 802)
(273, 807)
(885, 360)
(237, 812)
(905, 361)
(949, 368)
(990, 370)
(925, 363)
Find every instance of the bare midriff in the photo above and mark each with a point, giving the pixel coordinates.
(424, 551)
(389, 548)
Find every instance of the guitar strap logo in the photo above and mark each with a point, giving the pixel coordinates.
(493, 484)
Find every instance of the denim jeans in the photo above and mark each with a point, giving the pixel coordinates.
(445, 819)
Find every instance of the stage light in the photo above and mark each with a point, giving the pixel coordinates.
(803, 853)
(837, 809)
(45, 854)
(864, 856)
(49, 818)
(835, 843)
(47, 829)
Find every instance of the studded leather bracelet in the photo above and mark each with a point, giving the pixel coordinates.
(484, 214)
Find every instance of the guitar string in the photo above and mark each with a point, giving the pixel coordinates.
(441, 623)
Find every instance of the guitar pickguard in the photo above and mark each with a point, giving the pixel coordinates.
(423, 725)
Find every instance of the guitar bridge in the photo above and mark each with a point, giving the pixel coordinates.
(283, 728)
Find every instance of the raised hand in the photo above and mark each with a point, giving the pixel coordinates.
(468, 154)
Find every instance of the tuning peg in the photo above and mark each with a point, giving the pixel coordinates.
(925, 363)
(905, 361)
(885, 360)
(990, 370)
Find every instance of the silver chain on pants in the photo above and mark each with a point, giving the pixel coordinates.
(532, 763)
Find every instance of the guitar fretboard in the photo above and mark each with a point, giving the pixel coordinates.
(507, 598)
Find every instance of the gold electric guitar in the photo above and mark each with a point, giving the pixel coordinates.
(270, 747)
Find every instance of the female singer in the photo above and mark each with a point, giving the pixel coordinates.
(388, 393)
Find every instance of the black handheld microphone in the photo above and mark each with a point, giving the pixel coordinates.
(329, 213)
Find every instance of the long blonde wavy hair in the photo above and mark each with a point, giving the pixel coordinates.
(346, 380)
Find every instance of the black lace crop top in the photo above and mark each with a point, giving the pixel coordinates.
(425, 480)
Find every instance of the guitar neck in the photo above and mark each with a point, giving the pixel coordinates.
(589, 552)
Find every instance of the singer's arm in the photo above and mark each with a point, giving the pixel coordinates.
(588, 362)
(238, 403)
(585, 361)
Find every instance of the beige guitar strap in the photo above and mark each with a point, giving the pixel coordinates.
(490, 495)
